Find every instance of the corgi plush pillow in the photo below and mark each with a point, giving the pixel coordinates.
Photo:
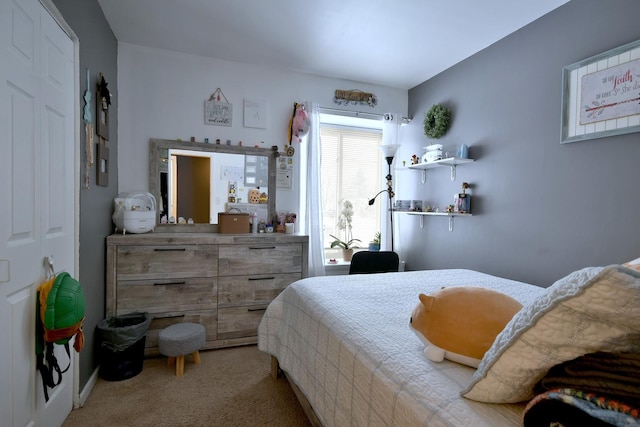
(461, 323)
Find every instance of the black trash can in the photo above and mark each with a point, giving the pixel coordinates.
(122, 340)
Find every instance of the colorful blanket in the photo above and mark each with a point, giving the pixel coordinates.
(574, 408)
(615, 375)
(598, 389)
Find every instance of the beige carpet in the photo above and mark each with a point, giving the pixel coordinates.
(231, 387)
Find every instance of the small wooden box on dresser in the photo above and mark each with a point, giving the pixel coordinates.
(223, 281)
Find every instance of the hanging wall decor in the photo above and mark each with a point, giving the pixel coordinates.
(299, 123)
(284, 172)
(218, 110)
(436, 121)
(601, 95)
(103, 101)
(255, 113)
(354, 97)
(88, 132)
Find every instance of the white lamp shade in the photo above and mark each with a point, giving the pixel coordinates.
(389, 150)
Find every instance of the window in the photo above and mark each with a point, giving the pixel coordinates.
(351, 170)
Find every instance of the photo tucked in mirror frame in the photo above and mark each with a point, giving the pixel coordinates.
(207, 179)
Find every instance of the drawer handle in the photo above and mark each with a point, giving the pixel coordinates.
(262, 278)
(169, 249)
(170, 316)
(262, 247)
(170, 283)
(257, 309)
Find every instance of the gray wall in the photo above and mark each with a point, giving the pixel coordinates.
(541, 209)
(98, 52)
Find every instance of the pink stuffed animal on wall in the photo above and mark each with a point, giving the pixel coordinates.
(299, 123)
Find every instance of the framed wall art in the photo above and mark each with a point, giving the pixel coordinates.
(601, 95)
(255, 113)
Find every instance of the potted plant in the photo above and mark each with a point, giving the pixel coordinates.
(344, 224)
(374, 245)
(347, 247)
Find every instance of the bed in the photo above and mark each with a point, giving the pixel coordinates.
(345, 344)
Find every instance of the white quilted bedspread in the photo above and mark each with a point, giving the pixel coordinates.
(346, 343)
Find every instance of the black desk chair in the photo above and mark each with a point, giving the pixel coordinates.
(364, 262)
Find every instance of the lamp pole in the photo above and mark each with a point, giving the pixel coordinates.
(389, 152)
(391, 194)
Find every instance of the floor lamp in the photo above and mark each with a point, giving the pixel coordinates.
(389, 152)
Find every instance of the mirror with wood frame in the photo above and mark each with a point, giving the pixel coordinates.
(197, 180)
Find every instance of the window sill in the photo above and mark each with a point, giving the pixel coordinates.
(339, 261)
(338, 268)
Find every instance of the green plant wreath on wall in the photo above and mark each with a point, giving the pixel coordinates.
(436, 121)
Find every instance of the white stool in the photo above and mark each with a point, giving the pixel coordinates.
(176, 341)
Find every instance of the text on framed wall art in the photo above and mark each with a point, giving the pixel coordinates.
(218, 110)
(601, 95)
(611, 93)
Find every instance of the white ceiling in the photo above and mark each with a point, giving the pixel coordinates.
(395, 43)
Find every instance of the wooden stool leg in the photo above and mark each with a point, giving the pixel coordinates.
(196, 357)
(171, 360)
(180, 366)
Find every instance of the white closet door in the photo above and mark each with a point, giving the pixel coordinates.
(37, 208)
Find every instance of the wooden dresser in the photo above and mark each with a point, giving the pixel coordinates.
(223, 281)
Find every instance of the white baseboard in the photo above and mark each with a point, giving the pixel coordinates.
(86, 391)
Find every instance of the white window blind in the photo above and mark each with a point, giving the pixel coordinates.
(351, 170)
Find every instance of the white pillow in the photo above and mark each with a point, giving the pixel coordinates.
(593, 309)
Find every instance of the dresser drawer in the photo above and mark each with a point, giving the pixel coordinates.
(222, 281)
(166, 262)
(259, 259)
(252, 290)
(238, 322)
(161, 295)
(207, 318)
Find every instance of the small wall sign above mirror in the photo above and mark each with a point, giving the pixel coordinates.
(255, 113)
(218, 110)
